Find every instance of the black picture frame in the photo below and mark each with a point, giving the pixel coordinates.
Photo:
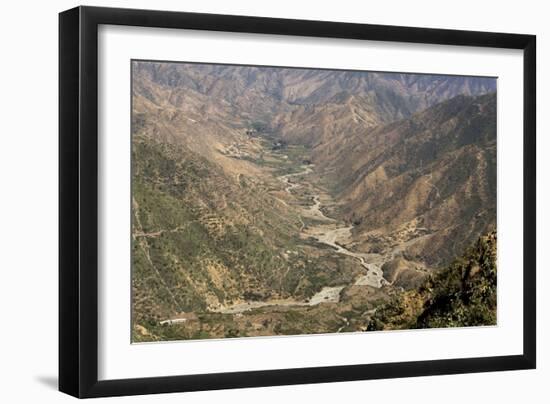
(78, 201)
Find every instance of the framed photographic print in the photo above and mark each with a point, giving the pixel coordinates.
(251, 201)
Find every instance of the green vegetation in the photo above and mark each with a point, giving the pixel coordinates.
(259, 126)
(224, 246)
(461, 295)
(282, 160)
(202, 239)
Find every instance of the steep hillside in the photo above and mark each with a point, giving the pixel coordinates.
(203, 240)
(432, 177)
(313, 107)
(464, 294)
(280, 201)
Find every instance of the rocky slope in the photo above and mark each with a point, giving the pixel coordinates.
(204, 239)
(406, 162)
(312, 107)
(464, 294)
(434, 173)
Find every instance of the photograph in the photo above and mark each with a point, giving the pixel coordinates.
(282, 200)
(268, 202)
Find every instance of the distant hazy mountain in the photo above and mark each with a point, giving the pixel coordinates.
(395, 94)
(294, 101)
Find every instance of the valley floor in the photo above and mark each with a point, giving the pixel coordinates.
(334, 308)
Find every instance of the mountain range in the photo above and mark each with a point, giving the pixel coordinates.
(241, 174)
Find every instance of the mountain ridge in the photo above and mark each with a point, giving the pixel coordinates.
(271, 201)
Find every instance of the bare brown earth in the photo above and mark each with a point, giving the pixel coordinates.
(287, 201)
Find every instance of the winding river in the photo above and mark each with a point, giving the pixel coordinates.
(334, 235)
(330, 232)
